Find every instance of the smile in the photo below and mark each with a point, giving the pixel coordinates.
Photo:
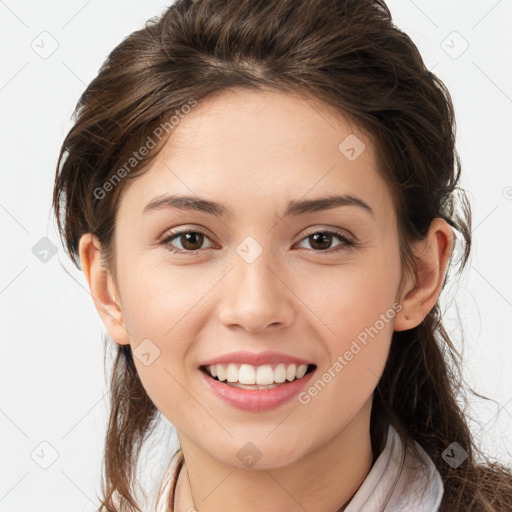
(284, 382)
(247, 376)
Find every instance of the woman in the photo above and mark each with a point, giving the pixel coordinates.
(262, 196)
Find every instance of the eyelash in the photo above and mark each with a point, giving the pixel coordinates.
(346, 243)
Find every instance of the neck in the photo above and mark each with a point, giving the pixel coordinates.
(323, 480)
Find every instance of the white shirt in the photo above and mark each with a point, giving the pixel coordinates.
(417, 488)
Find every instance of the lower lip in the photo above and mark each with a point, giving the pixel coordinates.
(257, 399)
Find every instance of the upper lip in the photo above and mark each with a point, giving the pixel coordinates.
(255, 358)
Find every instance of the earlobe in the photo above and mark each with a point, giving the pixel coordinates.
(421, 292)
(102, 289)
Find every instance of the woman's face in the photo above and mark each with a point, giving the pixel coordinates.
(252, 278)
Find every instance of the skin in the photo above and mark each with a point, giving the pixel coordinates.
(254, 152)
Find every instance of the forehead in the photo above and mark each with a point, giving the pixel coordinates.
(261, 146)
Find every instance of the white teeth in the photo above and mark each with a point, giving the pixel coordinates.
(301, 371)
(221, 371)
(280, 373)
(291, 371)
(232, 373)
(246, 374)
(264, 375)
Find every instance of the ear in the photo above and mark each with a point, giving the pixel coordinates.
(102, 289)
(420, 293)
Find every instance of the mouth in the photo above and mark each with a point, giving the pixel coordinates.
(246, 376)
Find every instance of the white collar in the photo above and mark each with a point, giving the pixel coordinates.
(394, 484)
(389, 487)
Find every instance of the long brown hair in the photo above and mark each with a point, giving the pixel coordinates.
(348, 54)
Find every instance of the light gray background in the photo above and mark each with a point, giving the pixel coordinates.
(51, 363)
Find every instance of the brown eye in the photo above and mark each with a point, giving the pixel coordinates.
(190, 241)
(322, 241)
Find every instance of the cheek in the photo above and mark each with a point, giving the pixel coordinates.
(360, 318)
(155, 314)
(349, 298)
(164, 385)
(157, 297)
(159, 352)
(357, 308)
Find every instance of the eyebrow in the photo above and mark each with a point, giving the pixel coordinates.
(294, 208)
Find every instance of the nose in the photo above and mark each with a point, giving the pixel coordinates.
(255, 297)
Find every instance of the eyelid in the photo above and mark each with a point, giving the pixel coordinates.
(175, 233)
(346, 238)
(344, 233)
